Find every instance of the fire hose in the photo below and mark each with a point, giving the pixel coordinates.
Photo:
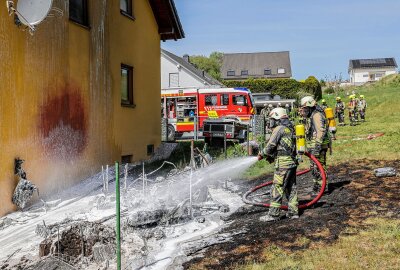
(301, 206)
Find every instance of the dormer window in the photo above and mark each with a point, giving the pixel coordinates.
(230, 73)
(281, 71)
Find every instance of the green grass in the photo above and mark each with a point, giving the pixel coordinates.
(374, 248)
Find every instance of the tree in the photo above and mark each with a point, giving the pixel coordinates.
(313, 86)
(211, 64)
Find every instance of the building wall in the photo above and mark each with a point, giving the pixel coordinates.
(360, 76)
(186, 78)
(60, 95)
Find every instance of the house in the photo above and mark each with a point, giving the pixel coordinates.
(261, 65)
(178, 72)
(82, 91)
(370, 70)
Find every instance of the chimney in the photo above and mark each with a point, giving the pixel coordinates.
(186, 58)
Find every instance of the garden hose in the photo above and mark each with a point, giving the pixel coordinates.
(301, 206)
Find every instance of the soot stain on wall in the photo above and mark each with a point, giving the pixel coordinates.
(63, 124)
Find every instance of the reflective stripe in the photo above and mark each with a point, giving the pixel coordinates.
(275, 204)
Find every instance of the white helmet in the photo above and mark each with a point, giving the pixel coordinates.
(307, 101)
(270, 105)
(279, 104)
(278, 113)
(287, 105)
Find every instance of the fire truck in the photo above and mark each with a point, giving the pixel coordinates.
(185, 110)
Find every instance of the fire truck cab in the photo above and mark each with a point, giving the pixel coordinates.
(186, 109)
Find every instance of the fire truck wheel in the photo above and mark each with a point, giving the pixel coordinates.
(170, 133)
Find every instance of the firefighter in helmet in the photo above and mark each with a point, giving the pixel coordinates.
(281, 148)
(352, 108)
(317, 135)
(323, 104)
(339, 110)
(362, 106)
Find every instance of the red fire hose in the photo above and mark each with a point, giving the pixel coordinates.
(301, 206)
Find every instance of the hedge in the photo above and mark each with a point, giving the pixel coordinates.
(286, 88)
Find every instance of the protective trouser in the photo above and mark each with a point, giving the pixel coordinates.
(315, 171)
(284, 184)
(341, 118)
(362, 114)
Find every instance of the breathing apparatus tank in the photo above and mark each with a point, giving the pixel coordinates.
(300, 139)
(331, 119)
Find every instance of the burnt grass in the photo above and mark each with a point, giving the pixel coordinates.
(354, 194)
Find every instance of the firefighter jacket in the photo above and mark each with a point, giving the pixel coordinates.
(362, 104)
(339, 107)
(352, 105)
(317, 129)
(282, 146)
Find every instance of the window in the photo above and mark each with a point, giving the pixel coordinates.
(365, 75)
(224, 99)
(126, 159)
(211, 100)
(239, 100)
(378, 75)
(230, 73)
(150, 149)
(78, 12)
(174, 80)
(281, 71)
(267, 71)
(126, 85)
(244, 73)
(126, 8)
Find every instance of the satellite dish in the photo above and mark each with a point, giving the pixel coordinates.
(33, 12)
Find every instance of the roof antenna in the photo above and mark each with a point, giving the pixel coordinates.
(30, 12)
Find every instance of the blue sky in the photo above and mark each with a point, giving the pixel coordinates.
(321, 35)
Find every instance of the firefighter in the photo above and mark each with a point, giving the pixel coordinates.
(281, 148)
(339, 110)
(317, 135)
(352, 107)
(362, 106)
(287, 108)
(264, 111)
(324, 105)
(264, 114)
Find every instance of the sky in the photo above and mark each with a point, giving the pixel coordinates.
(321, 35)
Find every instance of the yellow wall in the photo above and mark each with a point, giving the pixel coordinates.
(60, 97)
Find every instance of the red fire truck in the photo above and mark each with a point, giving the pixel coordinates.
(186, 109)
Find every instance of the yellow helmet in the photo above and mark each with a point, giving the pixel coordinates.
(338, 98)
(323, 101)
(361, 96)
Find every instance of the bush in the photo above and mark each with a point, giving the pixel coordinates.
(329, 90)
(286, 88)
(313, 86)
